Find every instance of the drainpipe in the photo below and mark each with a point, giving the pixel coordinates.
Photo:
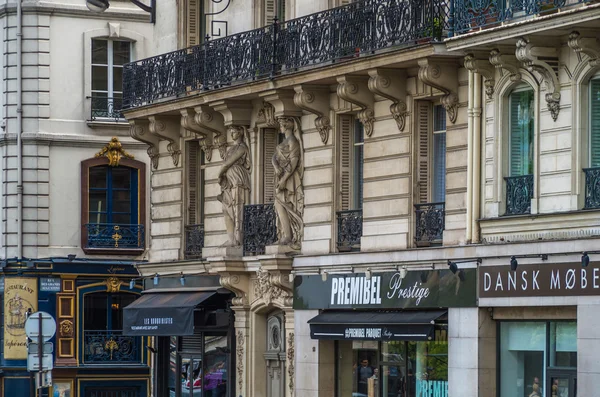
(19, 131)
(476, 205)
(468, 233)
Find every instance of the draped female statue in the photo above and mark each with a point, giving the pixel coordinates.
(289, 193)
(234, 178)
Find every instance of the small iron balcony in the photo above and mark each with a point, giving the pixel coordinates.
(260, 228)
(111, 347)
(194, 241)
(349, 230)
(114, 236)
(519, 192)
(592, 188)
(106, 108)
(430, 221)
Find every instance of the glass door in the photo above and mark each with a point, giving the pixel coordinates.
(562, 383)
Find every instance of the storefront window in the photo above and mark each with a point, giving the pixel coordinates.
(529, 351)
(394, 368)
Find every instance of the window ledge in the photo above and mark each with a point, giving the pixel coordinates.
(113, 251)
(110, 123)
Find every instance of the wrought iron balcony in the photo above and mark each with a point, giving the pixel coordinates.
(592, 187)
(340, 34)
(194, 241)
(349, 230)
(260, 228)
(469, 15)
(104, 107)
(519, 192)
(430, 221)
(111, 347)
(113, 236)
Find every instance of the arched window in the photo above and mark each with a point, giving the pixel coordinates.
(592, 173)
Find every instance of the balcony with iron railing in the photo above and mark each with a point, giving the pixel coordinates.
(260, 228)
(194, 241)
(104, 108)
(519, 192)
(110, 236)
(592, 188)
(111, 347)
(349, 230)
(430, 221)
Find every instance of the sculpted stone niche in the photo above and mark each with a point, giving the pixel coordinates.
(234, 179)
(289, 192)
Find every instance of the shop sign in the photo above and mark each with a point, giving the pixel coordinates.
(546, 279)
(426, 289)
(20, 296)
(50, 284)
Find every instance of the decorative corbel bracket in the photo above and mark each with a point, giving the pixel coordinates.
(355, 89)
(167, 128)
(391, 85)
(239, 283)
(234, 112)
(283, 103)
(206, 123)
(315, 99)
(140, 130)
(443, 77)
(589, 46)
(535, 59)
(266, 115)
(484, 68)
(506, 62)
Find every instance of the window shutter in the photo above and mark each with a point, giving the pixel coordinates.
(346, 126)
(521, 133)
(423, 131)
(595, 123)
(344, 2)
(193, 22)
(270, 11)
(193, 151)
(270, 137)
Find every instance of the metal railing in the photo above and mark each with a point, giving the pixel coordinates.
(103, 107)
(349, 230)
(592, 187)
(260, 228)
(430, 221)
(194, 241)
(519, 192)
(335, 35)
(109, 347)
(110, 235)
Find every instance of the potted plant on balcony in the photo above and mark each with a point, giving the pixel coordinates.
(433, 30)
(547, 7)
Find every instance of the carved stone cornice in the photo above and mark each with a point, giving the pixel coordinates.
(315, 99)
(270, 286)
(283, 103)
(266, 115)
(484, 68)
(140, 130)
(354, 89)
(167, 128)
(506, 62)
(536, 59)
(238, 283)
(391, 85)
(443, 77)
(589, 46)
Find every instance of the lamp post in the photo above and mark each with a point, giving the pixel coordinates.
(102, 5)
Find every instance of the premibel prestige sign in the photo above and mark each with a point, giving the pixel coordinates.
(418, 289)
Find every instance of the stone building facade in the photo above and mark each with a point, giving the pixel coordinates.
(416, 163)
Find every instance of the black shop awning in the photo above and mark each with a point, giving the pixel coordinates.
(353, 325)
(163, 314)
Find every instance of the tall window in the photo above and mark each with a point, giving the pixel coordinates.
(439, 154)
(108, 58)
(274, 8)
(351, 162)
(431, 129)
(113, 195)
(104, 312)
(594, 142)
(194, 227)
(521, 119)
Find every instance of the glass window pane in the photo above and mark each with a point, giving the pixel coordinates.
(439, 118)
(95, 312)
(432, 368)
(121, 52)
(563, 344)
(393, 375)
(595, 123)
(522, 358)
(97, 177)
(191, 377)
(117, 303)
(96, 217)
(174, 379)
(357, 364)
(216, 364)
(100, 52)
(97, 201)
(439, 167)
(99, 78)
(121, 219)
(357, 183)
(121, 178)
(118, 79)
(521, 133)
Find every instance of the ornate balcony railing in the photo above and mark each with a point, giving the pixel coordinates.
(338, 34)
(110, 235)
(194, 241)
(519, 191)
(469, 15)
(260, 228)
(103, 107)
(349, 230)
(109, 347)
(430, 221)
(592, 187)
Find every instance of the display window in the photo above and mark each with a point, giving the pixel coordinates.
(538, 359)
(393, 368)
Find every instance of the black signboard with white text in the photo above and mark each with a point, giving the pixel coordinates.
(418, 289)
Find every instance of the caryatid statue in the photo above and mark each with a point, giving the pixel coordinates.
(289, 192)
(234, 178)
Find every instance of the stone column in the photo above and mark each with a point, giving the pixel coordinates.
(588, 349)
(463, 351)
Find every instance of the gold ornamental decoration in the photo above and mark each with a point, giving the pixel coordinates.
(113, 284)
(66, 328)
(114, 152)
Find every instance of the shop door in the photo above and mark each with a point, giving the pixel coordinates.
(275, 356)
(562, 383)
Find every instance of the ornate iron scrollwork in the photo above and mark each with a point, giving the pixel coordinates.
(104, 107)
(430, 221)
(111, 347)
(592, 187)
(194, 241)
(260, 228)
(349, 230)
(109, 235)
(519, 192)
(215, 23)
